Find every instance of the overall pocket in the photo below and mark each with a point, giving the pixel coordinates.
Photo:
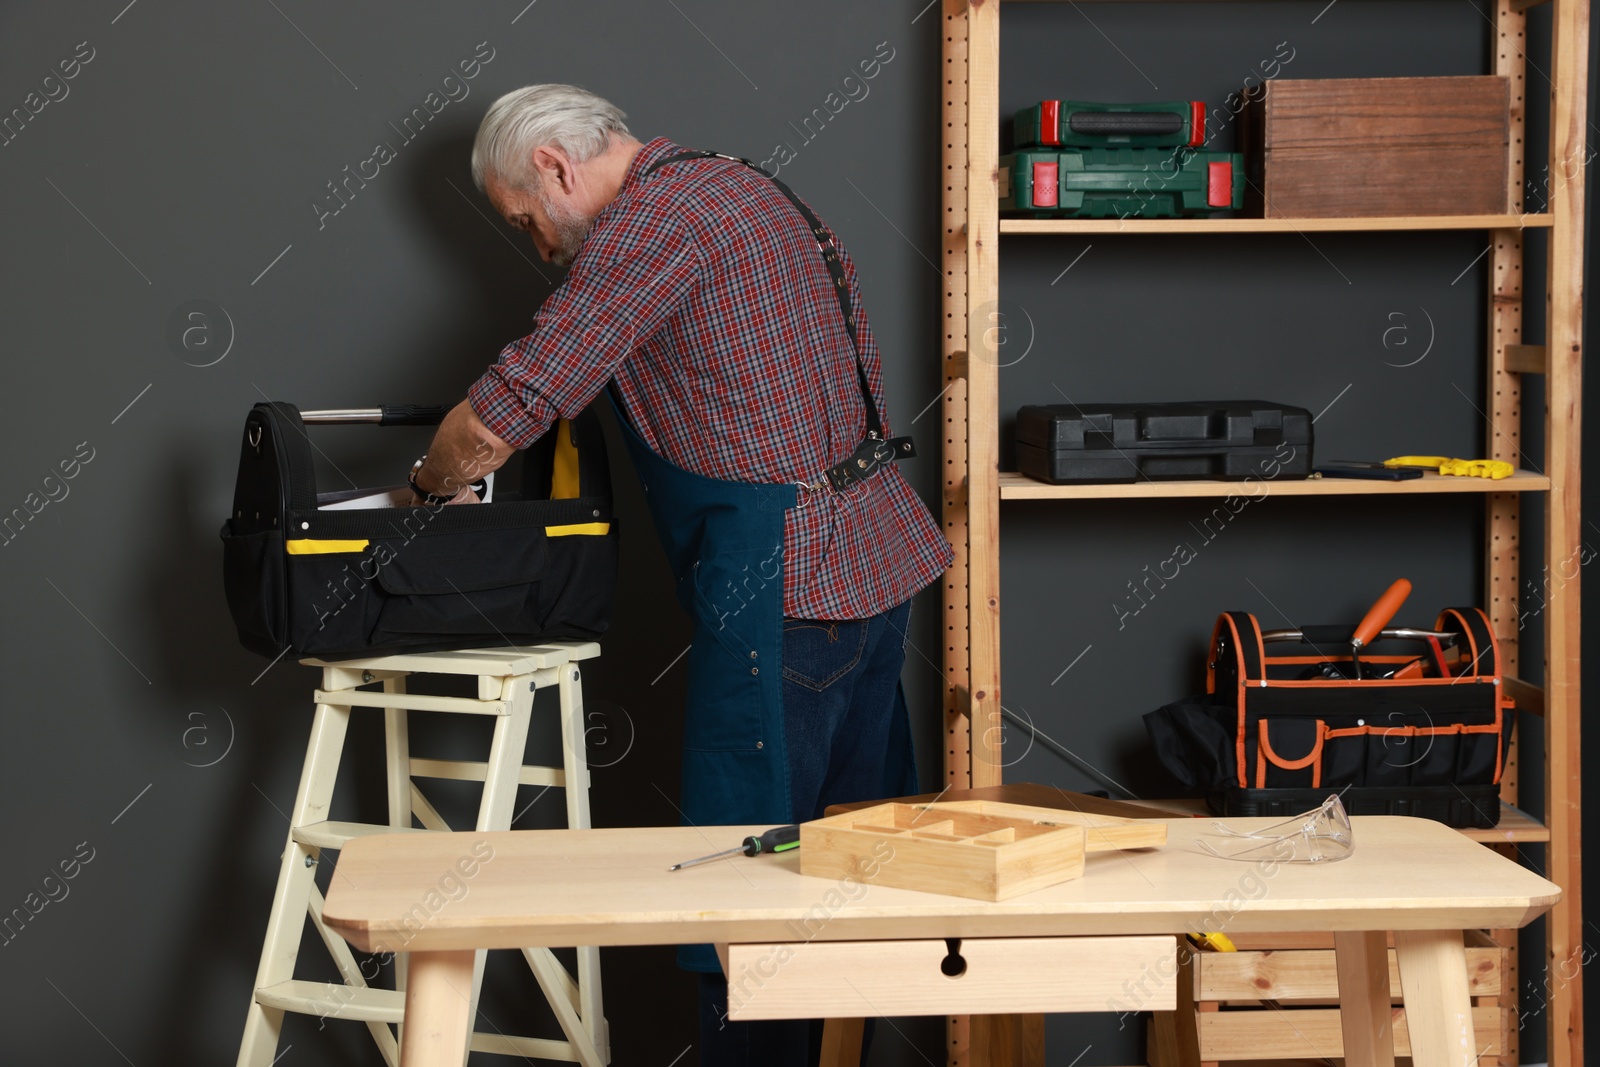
(817, 653)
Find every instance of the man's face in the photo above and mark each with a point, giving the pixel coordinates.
(554, 223)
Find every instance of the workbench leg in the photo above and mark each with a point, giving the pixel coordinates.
(1007, 1041)
(1362, 960)
(438, 1010)
(841, 1042)
(1433, 981)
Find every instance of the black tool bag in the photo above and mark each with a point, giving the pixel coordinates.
(1423, 729)
(538, 563)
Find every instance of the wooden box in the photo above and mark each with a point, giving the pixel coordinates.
(967, 848)
(1276, 1000)
(1354, 147)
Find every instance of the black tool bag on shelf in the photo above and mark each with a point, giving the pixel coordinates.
(1283, 724)
(537, 563)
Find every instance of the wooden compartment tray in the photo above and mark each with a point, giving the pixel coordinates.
(967, 848)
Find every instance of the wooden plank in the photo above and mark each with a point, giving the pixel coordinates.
(1014, 486)
(1008, 1040)
(1311, 1033)
(843, 979)
(954, 497)
(357, 698)
(1515, 825)
(1283, 975)
(475, 771)
(1564, 530)
(334, 1000)
(985, 330)
(1535, 220)
(1526, 359)
(1529, 698)
(498, 662)
(953, 407)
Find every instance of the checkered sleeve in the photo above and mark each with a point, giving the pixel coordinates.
(633, 275)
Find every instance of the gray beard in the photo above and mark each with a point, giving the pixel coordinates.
(571, 228)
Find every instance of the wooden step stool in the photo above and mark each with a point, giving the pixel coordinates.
(507, 681)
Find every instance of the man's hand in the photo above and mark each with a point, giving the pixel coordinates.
(465, 496)
(463, 451)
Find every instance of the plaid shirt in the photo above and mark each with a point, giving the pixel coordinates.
(703, 292)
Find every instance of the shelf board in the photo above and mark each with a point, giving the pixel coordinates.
(1280, 225)
(1014, 486)
(1515, 827)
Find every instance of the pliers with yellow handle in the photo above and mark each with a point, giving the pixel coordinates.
(1211, 942)
(1464, 468)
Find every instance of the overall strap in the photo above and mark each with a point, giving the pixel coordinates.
(874, 450)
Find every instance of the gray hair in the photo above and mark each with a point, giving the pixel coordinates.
(574, 120)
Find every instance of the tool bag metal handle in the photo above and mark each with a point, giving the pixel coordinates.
(383, 415)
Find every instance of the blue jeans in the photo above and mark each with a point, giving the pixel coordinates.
(841, 681)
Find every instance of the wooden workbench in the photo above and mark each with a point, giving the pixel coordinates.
(806, 946)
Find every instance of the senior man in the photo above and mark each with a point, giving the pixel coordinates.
(728, 320)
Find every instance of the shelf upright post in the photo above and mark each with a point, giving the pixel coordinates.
(1569, 59)
(985, 334)
(1502, 556)
(956, 494)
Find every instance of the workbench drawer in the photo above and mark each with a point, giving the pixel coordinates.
(851, 979)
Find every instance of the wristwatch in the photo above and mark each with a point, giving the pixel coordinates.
(429, 499)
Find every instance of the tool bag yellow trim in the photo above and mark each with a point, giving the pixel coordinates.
(580, 529)
(307, 546)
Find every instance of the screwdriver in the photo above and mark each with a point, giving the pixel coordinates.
(778, 839)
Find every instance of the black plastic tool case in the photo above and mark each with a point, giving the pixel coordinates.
(1067, 444)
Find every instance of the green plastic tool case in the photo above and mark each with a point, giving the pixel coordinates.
(1140, 183)
(1076, 159)
(1080, 124)
(1087, 444)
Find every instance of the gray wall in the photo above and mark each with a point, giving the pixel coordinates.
(184, 162)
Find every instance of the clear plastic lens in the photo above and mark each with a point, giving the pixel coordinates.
(1320, 835)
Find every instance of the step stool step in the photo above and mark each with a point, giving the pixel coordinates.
(335, 999)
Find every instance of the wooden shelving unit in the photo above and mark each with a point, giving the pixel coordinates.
(974, 486)
(1540, 220)
(1014, 486)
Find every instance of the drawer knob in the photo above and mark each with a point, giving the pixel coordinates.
(953, 965)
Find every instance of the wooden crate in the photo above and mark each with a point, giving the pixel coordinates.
(1276, 999)
(1352, 147)
(968, 848)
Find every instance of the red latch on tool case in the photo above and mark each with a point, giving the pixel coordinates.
(1046, 185)
(1219, 184)
(1197, 123)
(1050, 122)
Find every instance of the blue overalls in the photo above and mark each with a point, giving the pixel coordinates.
(725, 542)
